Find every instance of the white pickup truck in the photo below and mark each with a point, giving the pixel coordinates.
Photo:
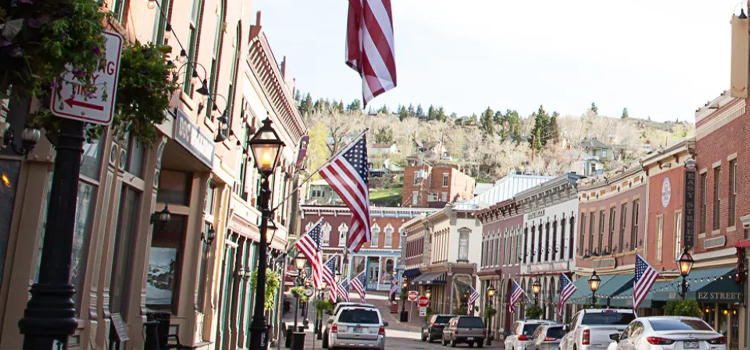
(590, 328)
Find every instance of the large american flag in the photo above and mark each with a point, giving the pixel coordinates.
(645, 276)
(369, 46)
(359, 283)
(567, 288)
(515, 293)
(347, 175)
(343, 290)
(309, 245)
(329, 269)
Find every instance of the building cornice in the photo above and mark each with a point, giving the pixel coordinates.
(685, 145)
(375, 212)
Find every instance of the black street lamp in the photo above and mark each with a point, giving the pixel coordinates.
(487, 319)
(686, 264)
(299, 263)
(536, 288)
(594, 281)
(266, 147)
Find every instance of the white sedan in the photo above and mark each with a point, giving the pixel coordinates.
(669, 333)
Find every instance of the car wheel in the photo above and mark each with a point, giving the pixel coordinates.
(443, 341)
(424, 338)
(429, 338)
(325, 341)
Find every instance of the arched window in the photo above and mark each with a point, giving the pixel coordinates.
(216, 56)
(388, 239)
(233, 79)
(326, 233)
(196, 21)
(375, 235)
(463, 244)
(343, 229)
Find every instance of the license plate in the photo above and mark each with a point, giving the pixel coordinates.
(691, 345)
(470, 338)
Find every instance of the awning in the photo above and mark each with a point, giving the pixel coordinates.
(706, 286)
(582, 295)
(430, 279)
(411, 272)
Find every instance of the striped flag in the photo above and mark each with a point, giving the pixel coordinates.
(567, 288)
(343, 290)
(359, 283)
(347, 173)
(369, 46)
(328, 271)
(645, 276)
(515, 293)
(394, 289)
(473, 296)
(309, 245)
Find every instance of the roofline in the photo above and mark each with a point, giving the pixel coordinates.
(686, 144)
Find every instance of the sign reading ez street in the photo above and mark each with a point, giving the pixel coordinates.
(97, 106)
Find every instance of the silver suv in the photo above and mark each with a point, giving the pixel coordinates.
(327, 325)
(359, 327)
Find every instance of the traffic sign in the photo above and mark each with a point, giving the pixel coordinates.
(413, 295)
(423, 311)
(96, 106)
(423, 301)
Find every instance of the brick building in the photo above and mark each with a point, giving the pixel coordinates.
(433, 187)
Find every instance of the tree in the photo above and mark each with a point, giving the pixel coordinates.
(411, 111)
(540, 132)
(553, 129)
(306, 105)
(383, 110)
(431, 113)
(533, 312)
(420, 112)
(354, 106)
(486, 123)
(625, 113)
(384, 135)
(594, 108)
(402, 113)
(688, 307)
(441, 114)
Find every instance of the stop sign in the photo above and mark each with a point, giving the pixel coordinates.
(423, 301)
(412, 295)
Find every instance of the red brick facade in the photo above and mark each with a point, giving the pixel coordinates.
(435, 186)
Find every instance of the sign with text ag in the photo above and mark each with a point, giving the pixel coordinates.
(97, 106)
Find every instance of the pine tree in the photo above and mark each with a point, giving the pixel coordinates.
(553, 129)
(431, 113)
(306, 105)
(540, 131)
(441, 114)
(486, 123)
(411, 111)
(625, 113)
(354, 106)
(402, 113)
(594, 108)
(420, 112)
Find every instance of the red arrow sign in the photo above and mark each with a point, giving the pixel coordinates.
(71, 102)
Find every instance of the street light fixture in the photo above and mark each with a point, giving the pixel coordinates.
(594, 281)
(536, 288)
(299, 263)
(266, 147)
(428, 293)
(686, 264)
(490, 295)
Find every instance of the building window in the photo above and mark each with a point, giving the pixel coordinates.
(375, 236)
(343, 229)
(163, 16)
(572, 237)
(634, 225)
(463, 245)
(388, 240)
(611, 238)
(233, 77)
(136, 153)
(533, 239)
(525, 243)
(196, 20)
(717, 200)
(583, 228)
(599, 246)
(164, 261)
(445, 196)
(432, 197)
(417, 177)
(446, 179)
(678, 234)
(623, 222)
(659, 236)
(519, 249)
(732, 192)
(553, 247)
(216, 56)
(547, 247)
(326, 229)
(702, 228)
(118, 10)
(210, 198)
(539, 244)
(592, 217)
(415, 197)
(125, 234)
(562, 238)
(484, 251)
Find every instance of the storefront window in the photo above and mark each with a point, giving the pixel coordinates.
(460, 287)
(127, 224)
(85, 205)
(174, 187)
(375, 235)
(162, 281)
(92, 159)
(9, 173)
(136, 152)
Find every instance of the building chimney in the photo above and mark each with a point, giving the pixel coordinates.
(740, 56)
(257, 18)
(283, 68)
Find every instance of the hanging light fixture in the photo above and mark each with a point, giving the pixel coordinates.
(266, 147)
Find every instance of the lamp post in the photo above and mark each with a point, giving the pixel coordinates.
(536, 288)
(266, 148)
(299, 263)
(686, 264)
(487, 319)
(594, 281)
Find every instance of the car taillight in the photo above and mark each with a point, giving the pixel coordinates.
(719, 340)
(586, 337)
(381, 331)
(522, 337)
(334, 328)
(550, 338)
(659, 341)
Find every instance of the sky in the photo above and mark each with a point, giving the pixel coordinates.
(659, 59)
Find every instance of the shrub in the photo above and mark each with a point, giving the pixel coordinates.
(687, 307)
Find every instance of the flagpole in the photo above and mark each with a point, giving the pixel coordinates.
(305, 180)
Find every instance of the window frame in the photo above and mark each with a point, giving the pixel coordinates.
(717, 199)
(732, 216)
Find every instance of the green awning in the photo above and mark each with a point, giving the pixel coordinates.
(582, 296)
(706, 286)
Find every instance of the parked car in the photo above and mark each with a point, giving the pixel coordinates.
(669, 332)
(464, 329)
(434, 328)
(546, 337)
(357, 327)
(589, 329)
(336, 309)
(521, 332)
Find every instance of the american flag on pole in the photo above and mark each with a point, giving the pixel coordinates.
(645, 276)
(394, 288)
(343, 290)
(359, 283)
(567, 288)
(515, 293)
(473, 296)
(309, 245)
(347, 175)
(369, 46)
(329, 269)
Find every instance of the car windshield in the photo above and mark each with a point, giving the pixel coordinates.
(443, 319)
(555, 332)
(359, 316)
(470, 322)
(617, 318)
(676, 324)
(529, 328)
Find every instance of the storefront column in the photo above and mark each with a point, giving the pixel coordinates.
(380, 272)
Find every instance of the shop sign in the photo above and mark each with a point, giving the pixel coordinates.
(689, 208)
(302, 151)
(193, 139)
(720, 296)
(535, 214)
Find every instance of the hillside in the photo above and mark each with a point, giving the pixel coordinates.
(487, 146)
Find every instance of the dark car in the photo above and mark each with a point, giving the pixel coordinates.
(434, 328)
(464, 329)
